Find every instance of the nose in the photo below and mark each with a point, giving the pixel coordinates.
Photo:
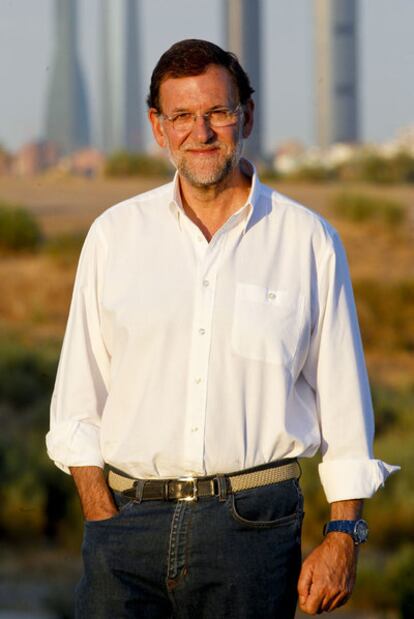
(202, 129)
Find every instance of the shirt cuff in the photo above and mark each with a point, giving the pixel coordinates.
(74, 443)
(353, 479)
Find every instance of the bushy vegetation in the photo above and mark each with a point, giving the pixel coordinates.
(19, 230)
(390, 583)
(122, 164)
(367, 167)
(376, 169)
(37, 500)
(65, 248)
(360, 207)
(313, 173)
(25, 375)
(386, 313)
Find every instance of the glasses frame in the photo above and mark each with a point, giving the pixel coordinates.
(205, 116)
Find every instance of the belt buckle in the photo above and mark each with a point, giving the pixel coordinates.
(193, 495)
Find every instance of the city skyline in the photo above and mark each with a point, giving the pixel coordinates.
(387, 52)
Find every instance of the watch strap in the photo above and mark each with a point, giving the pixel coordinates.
(357, 529)
(343, 526)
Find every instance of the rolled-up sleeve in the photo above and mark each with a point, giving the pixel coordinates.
(336, 370)
(82, 379)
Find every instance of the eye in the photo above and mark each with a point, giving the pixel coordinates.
(219, 116)
(183, 117)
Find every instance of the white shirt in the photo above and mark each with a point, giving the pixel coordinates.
(183, 357)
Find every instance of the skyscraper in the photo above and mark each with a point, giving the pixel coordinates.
(67, 121)
(243, 38)
(336, 71)
(121, 99)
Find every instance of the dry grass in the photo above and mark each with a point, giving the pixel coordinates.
(67, 204)
(35, 289)
(35, 293)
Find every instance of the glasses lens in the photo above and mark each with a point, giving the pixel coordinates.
(223, 118)
(216, 118)
(183, 122)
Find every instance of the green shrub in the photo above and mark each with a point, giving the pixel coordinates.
(26, 376)
(37, 499)
(386, 581)
(377, 169)
(386, 313)
(372, 589)
(391, 511)
(401, 580)
(390, 406)
(403, 166)
(312, 173)
(65, 248)
(364, 208)
(122, 164)
(19, 230)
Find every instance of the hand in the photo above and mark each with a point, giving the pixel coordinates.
(100, 514)
(96, 498)
(328, 574)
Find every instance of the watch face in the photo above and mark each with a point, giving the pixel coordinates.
(361, 531)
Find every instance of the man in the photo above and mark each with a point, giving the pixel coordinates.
(212, 341)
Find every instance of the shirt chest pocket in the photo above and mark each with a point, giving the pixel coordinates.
(266, 323)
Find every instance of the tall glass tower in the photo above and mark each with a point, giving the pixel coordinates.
(243, 38)
(122, 108)
(336, 71)
(67, 120)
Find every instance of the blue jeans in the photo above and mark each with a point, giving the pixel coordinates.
(238, 557)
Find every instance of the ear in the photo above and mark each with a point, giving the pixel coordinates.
(157, 127)
(248, 118)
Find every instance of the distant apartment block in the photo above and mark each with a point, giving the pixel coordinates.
(67, 121)
(336, 33)
(6, 160)
(35, 157)
(88, 162)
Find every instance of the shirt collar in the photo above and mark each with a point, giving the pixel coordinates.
(246, 211)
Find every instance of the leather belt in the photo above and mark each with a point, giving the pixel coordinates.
(192, 488)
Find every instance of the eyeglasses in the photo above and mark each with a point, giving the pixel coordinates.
(184, 121)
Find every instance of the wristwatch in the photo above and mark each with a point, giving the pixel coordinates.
(357, 529)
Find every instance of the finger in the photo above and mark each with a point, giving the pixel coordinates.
(339, 600)
(304, 583)
(313, 603)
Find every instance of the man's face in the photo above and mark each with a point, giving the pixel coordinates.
(203, 155)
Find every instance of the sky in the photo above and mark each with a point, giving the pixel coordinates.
(386, 62)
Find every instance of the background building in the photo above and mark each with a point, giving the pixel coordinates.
(67, 120)
(121, 99)
(35, 157)
(336, 71)
(243, 38)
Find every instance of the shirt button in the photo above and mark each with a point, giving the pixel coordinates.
(194, 429)
(206, 283)
(201, 331)
(272, 295)
(198, 381)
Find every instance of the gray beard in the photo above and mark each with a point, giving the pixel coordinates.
(215, 177)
